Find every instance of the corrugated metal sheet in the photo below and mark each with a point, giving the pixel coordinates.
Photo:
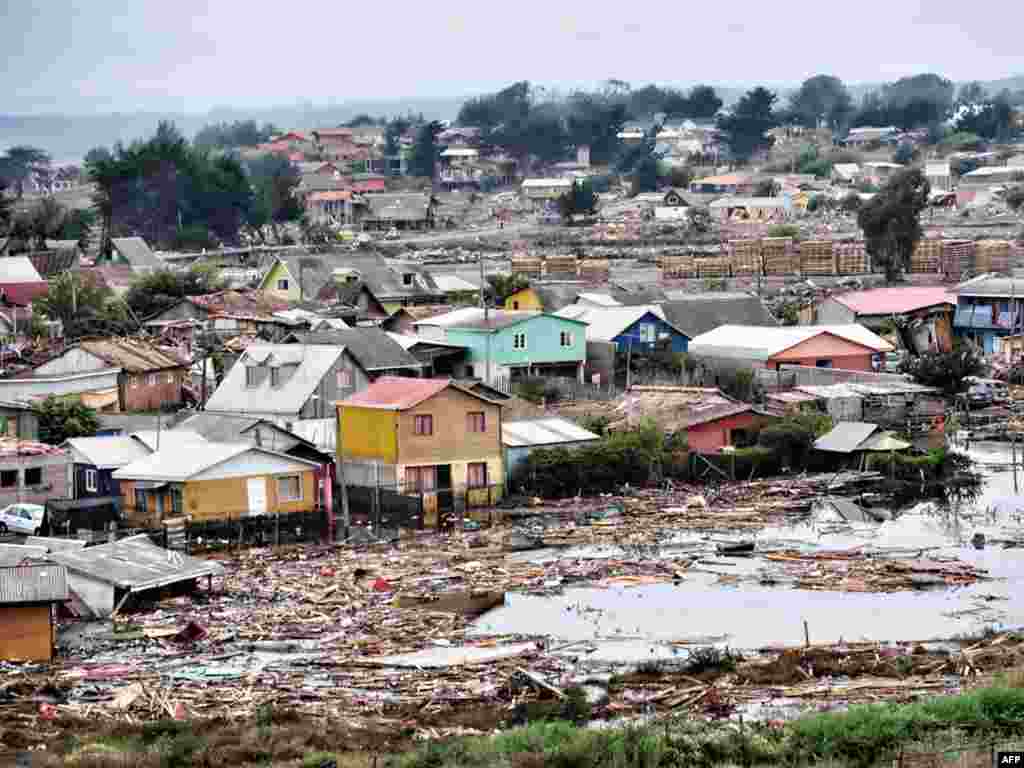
(845, 437)
(13, 554)
(552, 431)
(762, 342)
(397, 392)
(36, 583)
(135, 564)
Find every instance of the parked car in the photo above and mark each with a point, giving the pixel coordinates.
(979, 396)
(22, 518)
(999, 390)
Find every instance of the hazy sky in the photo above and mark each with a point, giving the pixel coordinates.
(186, 55)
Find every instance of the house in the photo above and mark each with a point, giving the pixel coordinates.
(732, 347)
(147, 377)
(226, 314)
(503, 345)
(545, 297)
(373, 349)
(890, 401)
(751, 208)
(397, 210)
(94, 460)
(924, 314)
(860, 137)
(229, 428)
(133, 252)
(358, 295)
(939, 176)
(329, 206)
(333, 276)
(539, 191)
(858, 439)
(671, 198)
(18, 420)
(216, 481)
(880, 171)
(989, 308)
(103, 578)
(988, 175)
(455, 287)
(724, 184)
(32, 472)
(640, 329)
(20, 282)
(845, 174)
(403, 320)
(521, 438)
(287, 382)
(28, 592)
(423, 436)
(438, 358)
(697, 313)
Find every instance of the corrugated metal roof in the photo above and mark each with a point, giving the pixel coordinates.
(50, 544)
(136, 252)
(106, 452)
(12, 554)
(18, 269)
(135, 564)
(606, 323)
(397, 392)
(167, 439)
(35, 583)
(749, 342)
(845, 437)
(453, 284)
(132, 355)
(550, 431)
(179, 463)
(886, 301)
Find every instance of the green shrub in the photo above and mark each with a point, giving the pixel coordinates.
(792, 438)
(783, 230)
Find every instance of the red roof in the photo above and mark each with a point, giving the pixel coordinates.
(889, 301)
(22, 294)
(397, 393)
(331, 195)
(369, 185)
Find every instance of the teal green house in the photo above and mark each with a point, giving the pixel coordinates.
(504, 345)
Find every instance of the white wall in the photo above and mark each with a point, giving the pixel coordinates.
(75, 360)
(26, 389)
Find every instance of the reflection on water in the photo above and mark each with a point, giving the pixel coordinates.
(745, 614)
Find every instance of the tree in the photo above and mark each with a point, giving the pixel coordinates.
(241, 133)
(891, 221)
(923, 99)
(749, 123)
(502, 286)
(5, 207)
(20, 163)
(393, 133)
(154, 292)
(595, 121)
(971, 93)
(63, 419)
(904, 154)
(579, 199)
(703, 102)
(84, 307)
(78, 224)
(274, 180)
(640, 163)
(822, 99)
(945, 370)
(425, 151)
(361, 120)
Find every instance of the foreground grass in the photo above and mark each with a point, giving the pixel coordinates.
(867, 735)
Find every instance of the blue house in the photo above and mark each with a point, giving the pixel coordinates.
(640, 328)
(94, 460)
(988, 308)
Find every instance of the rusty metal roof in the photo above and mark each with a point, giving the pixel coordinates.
(33, 583)
(132, 355)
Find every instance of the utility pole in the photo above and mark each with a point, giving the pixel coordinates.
(345, 519)
(487, 323)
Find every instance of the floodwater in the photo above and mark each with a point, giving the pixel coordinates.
(659, 620)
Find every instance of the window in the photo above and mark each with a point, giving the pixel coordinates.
(251, 376)
(476, 475)
(519, 341)
(133, 381)
(476, 421)
(423, 425)
(822, 363)
(34, 476)
(566, 339)
(647, 332)
(170, 378)
(91, 480)
(421, 479)
(344, 378)
(8, 478)
(289, 488)
(176, 505)
(140, 500)
(515, 305)
(275, 377)
(407, 278)
(282, 284)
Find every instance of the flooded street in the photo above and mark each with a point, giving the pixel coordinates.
(744, 602)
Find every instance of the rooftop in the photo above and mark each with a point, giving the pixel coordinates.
(107, 452)
(136, 252)
(475, 319)
(33, 583)
(547, 431)
(606, 323)
(132, 355)
(699, 313)
(372, 347)
(399, 393)
(888, 301)
(762, 342)
(673, 408)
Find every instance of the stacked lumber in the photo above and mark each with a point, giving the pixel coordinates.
(713, 266)
(595, 270)
(561, 266)
(674, 267)
(851, 258)
(778, 254)
(927, 256)
(528, 266)
(993, 256)
(958, 256)
(746, 256)
(817, 257)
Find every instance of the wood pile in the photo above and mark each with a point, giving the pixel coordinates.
(528, 266)
(992, 256)
(595, 270)
(779, 256)
(746, 256)
(851, 258)
(958, 257)
(926, 257)
(817, 258)
(713, 266)
(674, 267)
(561, 266)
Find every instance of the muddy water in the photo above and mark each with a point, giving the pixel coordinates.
(633, 621)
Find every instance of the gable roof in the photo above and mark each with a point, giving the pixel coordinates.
(106, 452)
(179, 463)
(845, 437)
(167, 438)
(136, 252)
(55, 262)
(398, 393)
(847, 171)
(20, 282)
(384, 280)
(233, 428)
(400, 206)
(241, 305)
(991, 284)
(747, 342)
(607, 323)
(314, 361)
(547, 431)
(131, 355)
(699, 313)
(473, 319)
(888, 301)
(373, 348)
(33, 583)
